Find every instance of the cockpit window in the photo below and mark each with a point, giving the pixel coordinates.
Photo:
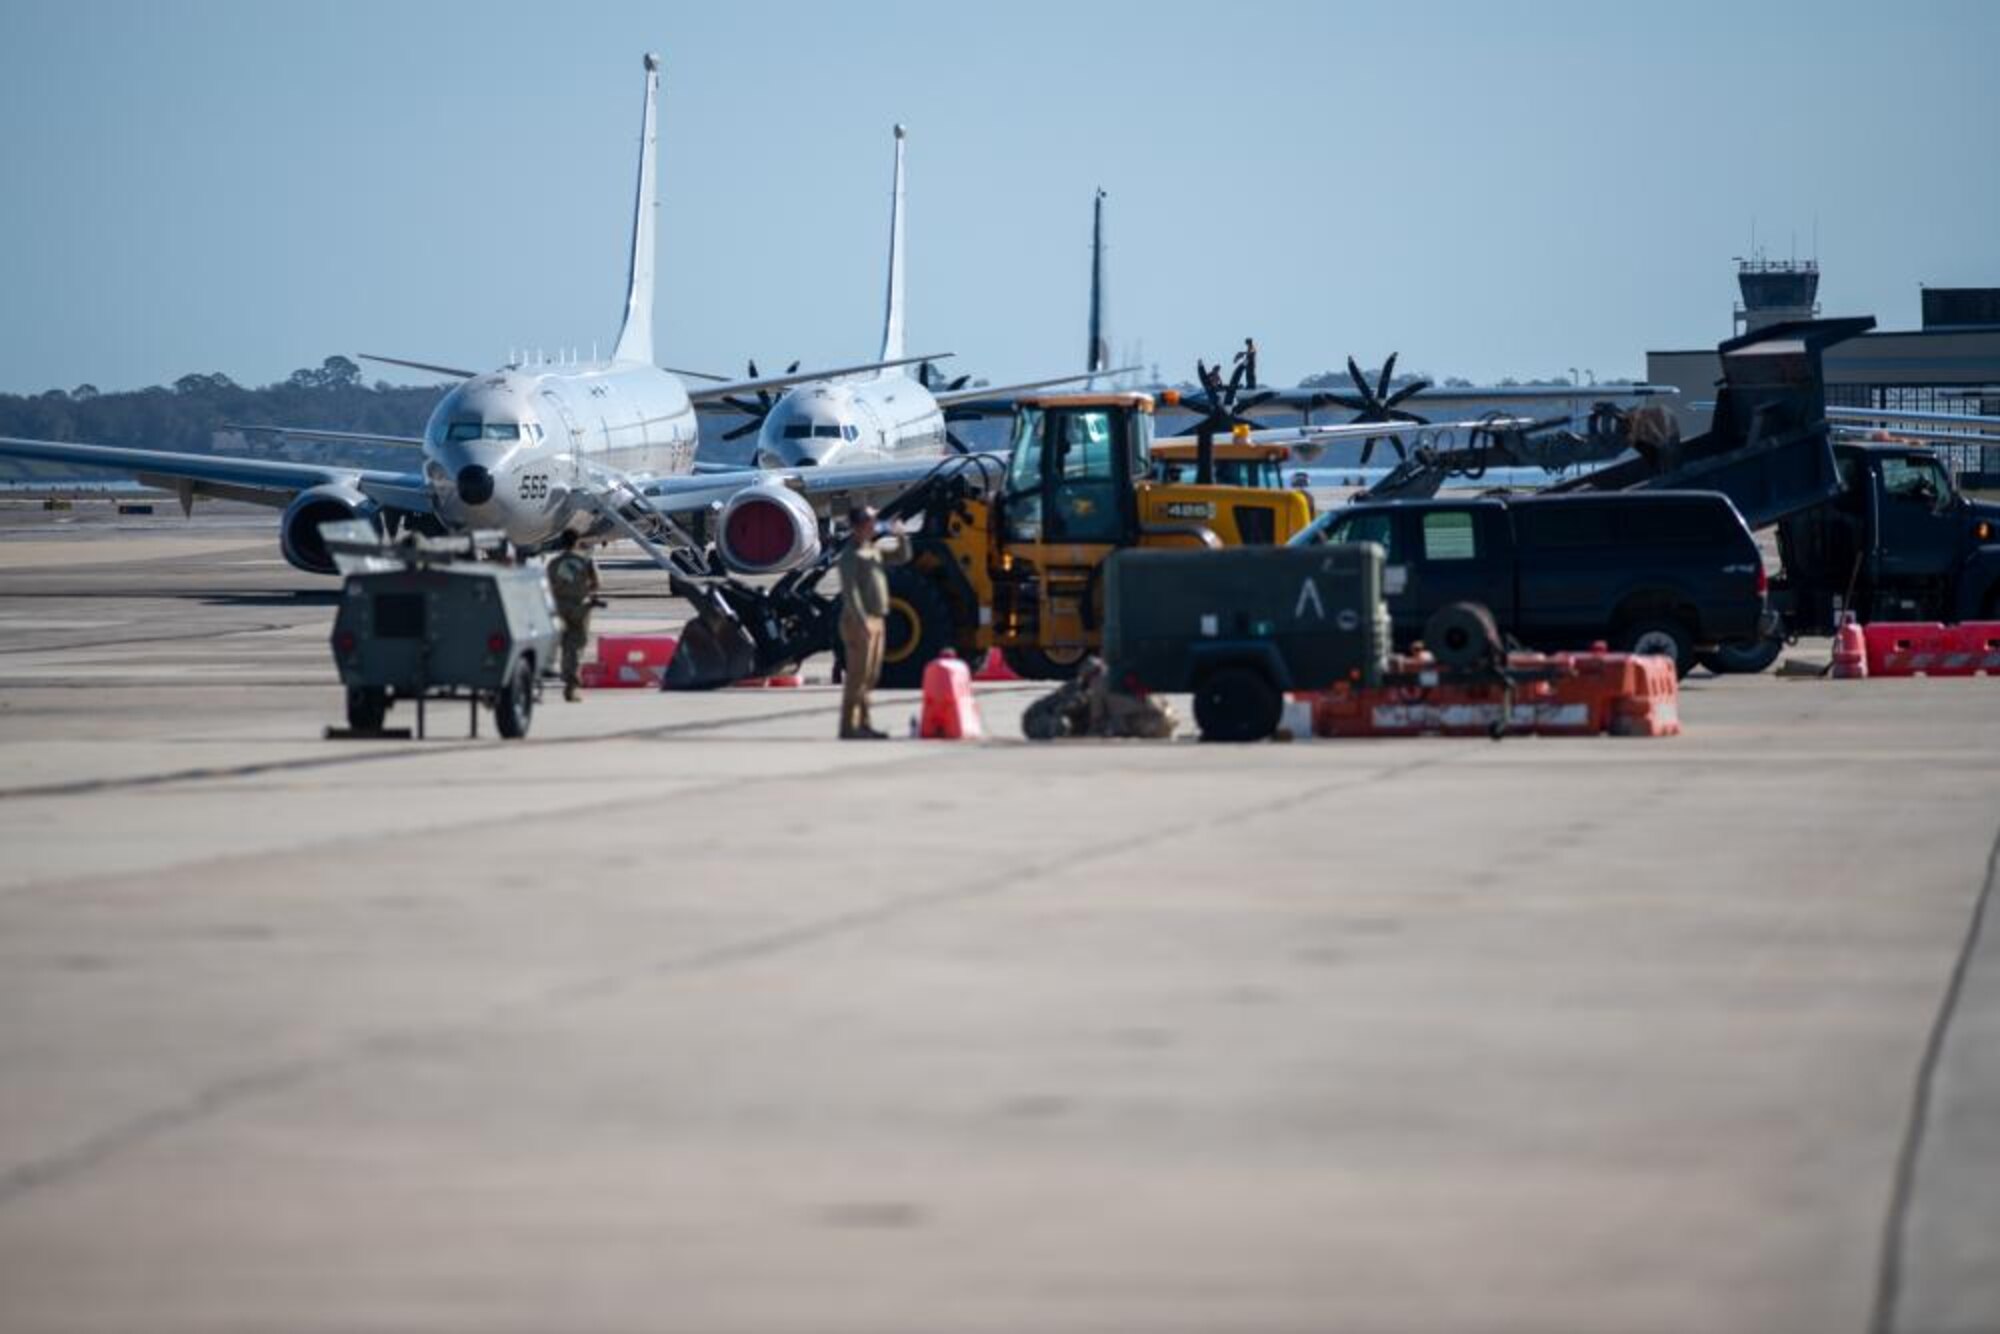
(483, 431)
(826, 432)
(850, 431)
(798, 431)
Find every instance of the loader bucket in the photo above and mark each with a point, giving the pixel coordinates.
(714, 651)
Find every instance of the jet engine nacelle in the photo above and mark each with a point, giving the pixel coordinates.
(767, 530)
(298, 531)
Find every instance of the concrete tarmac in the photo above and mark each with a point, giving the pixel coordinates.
(683, 1015)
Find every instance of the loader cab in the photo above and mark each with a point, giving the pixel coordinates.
(1176, 462)
(1075, 458)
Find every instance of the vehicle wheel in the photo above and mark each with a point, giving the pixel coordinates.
(1744, 657)
(366, 707)
(919, 626)
(1040, 664)
(514, 707)
(1664, 636)
(1237, 704)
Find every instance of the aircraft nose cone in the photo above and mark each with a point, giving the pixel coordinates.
(475, 484)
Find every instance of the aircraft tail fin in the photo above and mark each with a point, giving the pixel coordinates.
(1100, 336)
(892, 319)
(635, 338)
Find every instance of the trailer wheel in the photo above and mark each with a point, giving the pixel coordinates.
(1237, 704)
(367, 706)
(1045, 664)
(1745, 657)
(919, 626)
(1664, 636)
(514, 706)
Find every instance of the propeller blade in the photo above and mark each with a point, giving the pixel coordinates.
(743, 405)
(792, 369)
(1360, 382)
(951, 438)
(1236, 378)
(1256, 400)
(1348, 401)
(1388, 373)
(1413, 387)
(1367, 450)
(958, 384)
(1401, 453)
(924, 371)
(738, 432)
(753, 370)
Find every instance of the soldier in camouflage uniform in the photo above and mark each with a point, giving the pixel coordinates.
(1087, 705)
(864, 607)
(573, 580)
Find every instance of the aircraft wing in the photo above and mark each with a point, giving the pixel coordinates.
(850, 483)
(709, 395)
(449, 372)
(997, 400)
(1326, 435)
(271, 482)
(1303, 399)
(1307, 443)
(335, 437)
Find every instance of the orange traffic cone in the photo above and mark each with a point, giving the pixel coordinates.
(1850, 650)
(994, 668)
(949, 713)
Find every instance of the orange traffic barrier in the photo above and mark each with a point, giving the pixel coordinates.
(1903, 648)
(1919, 648)
(949, 713)
(1561, 694)
(1977, 645)
(994, 668)
(627, 662)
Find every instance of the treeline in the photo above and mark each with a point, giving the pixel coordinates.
(185, 417)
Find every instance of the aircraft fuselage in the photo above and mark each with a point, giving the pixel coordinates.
(879, 420)
(507, 450)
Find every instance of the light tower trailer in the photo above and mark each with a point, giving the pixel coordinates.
(423, 619)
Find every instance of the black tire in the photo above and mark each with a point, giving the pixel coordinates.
(1237, 704)
(1037, 664)
(514, 707)
(1667, 636)
(919, 626)
(367, 706)
(1745, 657)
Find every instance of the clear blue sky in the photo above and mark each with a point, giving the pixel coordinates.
(1493, 189)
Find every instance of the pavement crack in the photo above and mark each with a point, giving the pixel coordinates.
(1902, 1196)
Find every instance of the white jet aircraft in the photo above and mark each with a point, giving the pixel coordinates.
(603, 448)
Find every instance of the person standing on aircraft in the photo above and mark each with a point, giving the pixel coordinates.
(864, 603)
(1247, 359)
(573, 580)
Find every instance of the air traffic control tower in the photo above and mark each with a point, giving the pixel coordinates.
(1776, 290)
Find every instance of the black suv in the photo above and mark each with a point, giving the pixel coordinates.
(1669, 572)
